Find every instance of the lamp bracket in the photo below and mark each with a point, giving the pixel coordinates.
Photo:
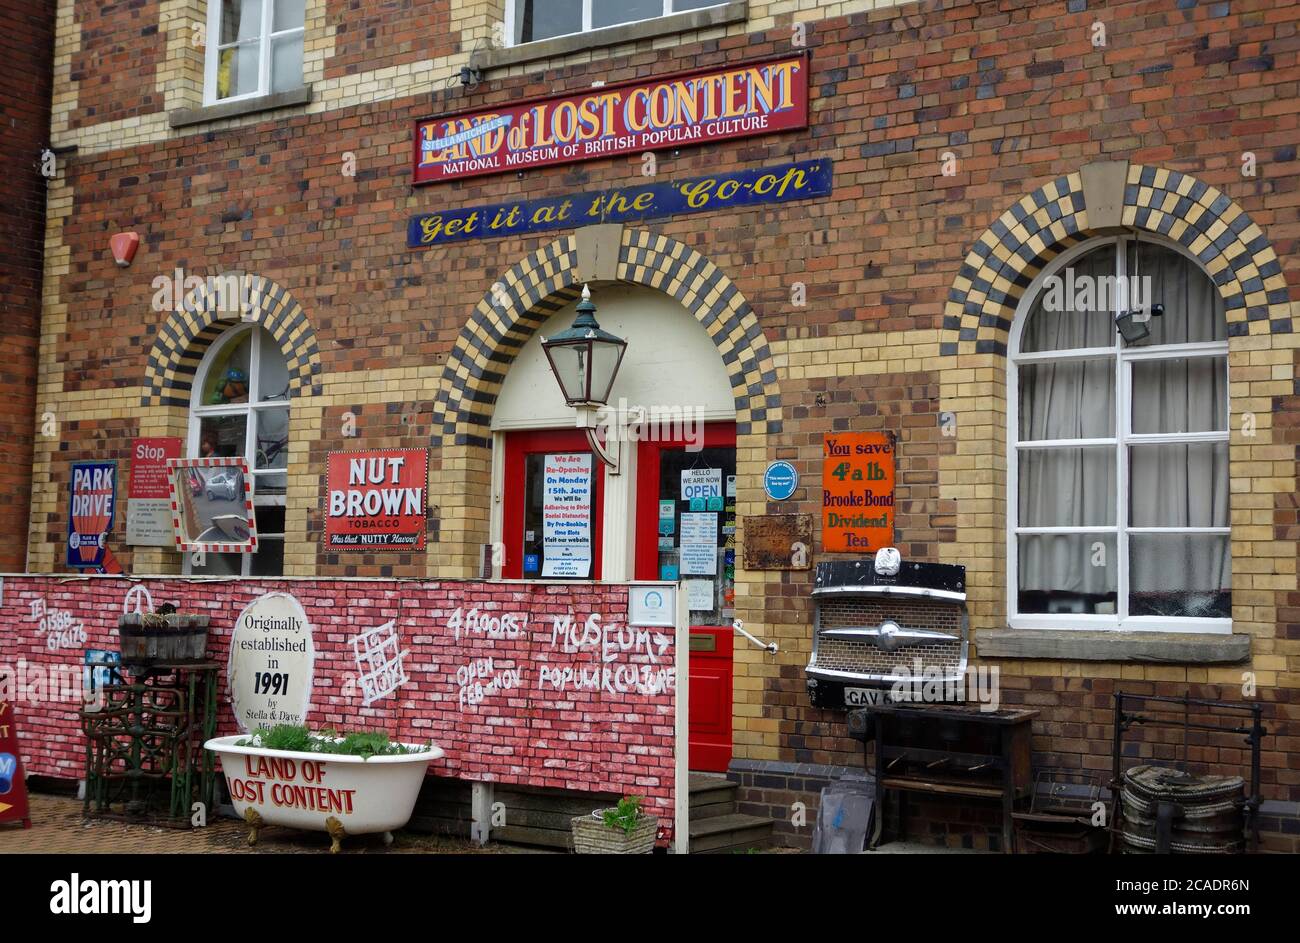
(606, 450)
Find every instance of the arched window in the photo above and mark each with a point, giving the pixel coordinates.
(240, 407)
(1118, 503)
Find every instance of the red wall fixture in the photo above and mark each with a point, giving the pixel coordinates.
(124, 245)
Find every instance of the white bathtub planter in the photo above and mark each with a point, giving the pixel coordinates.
(334, 792)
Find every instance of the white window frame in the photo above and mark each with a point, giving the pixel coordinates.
(513, 5)
(265, 37)
(250, 410)
(1122, 359)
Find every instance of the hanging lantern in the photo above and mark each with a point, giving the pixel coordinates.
(585, 359)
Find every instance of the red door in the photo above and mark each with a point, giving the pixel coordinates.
(522, 524)
(660, 506)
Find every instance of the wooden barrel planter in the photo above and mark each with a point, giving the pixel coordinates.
(150, 639)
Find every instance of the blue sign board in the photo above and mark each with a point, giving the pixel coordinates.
(92, 502)
(780, 480)
(801, 181)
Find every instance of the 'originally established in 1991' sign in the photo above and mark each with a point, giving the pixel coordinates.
(376, 500)
(631, 117)
(272, 660)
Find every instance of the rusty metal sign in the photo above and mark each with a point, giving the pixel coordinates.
(778, 542)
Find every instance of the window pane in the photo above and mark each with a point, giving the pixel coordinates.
(542, 19)
(1183, 394)
(613, 12)
(1193, 307)
(1067, 573)
(270, 483)
(719, 512)
(272, 372)
(287, 14)
(240, 19)
(272, 438)
(269, 559)
(1179, 485)
(680, 5)
(270, 519)
(1072, 400)
(286, 62)
(1067, 487)
(227, 377)
(216, 564)
(1074, 307)
(222, 436)
(237, 70)
(1186, 575)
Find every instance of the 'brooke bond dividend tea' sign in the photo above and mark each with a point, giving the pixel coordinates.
(376, 500)
(857, 492)
(630, 117)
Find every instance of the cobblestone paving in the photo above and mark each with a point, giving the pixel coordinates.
(58, 827)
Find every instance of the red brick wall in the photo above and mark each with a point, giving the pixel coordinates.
(1015, 90)
(618, 738)
(380, 34)
(26, 48)
(116, 65)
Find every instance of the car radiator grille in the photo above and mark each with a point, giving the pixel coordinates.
(864, 658)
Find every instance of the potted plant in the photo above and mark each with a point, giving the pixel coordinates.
(165, 637)
(354, 784)
(621, 830)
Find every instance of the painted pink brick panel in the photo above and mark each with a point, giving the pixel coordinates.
(535, 685)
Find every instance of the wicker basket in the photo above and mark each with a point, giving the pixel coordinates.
(591, 836)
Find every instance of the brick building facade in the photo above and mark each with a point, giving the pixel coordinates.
(972, 144)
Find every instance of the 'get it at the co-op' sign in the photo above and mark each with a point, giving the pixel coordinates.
(630, 117)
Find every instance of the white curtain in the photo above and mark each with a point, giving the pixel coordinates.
(1170, 485)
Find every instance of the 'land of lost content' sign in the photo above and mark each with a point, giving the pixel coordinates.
(272, 659)
(857, 492)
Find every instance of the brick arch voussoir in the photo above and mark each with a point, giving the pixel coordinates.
(187, 333)
(545, 281)
(1214, 229)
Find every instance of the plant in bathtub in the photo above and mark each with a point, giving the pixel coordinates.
(349, 784)
(621, 830)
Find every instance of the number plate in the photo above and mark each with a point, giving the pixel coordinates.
(865, 697)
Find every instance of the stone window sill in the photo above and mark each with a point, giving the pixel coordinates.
(1164, 648)
(186, 117)
(734, 12)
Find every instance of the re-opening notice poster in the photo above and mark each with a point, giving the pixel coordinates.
(566, 515)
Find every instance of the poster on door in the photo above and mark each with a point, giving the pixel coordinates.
(148, 492)
(857, 492)
(566, 515)
(701, 483)
(699, 546)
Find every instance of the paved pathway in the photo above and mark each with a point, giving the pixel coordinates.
(58, 827)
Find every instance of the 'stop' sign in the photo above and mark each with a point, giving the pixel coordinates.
(631, 117)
